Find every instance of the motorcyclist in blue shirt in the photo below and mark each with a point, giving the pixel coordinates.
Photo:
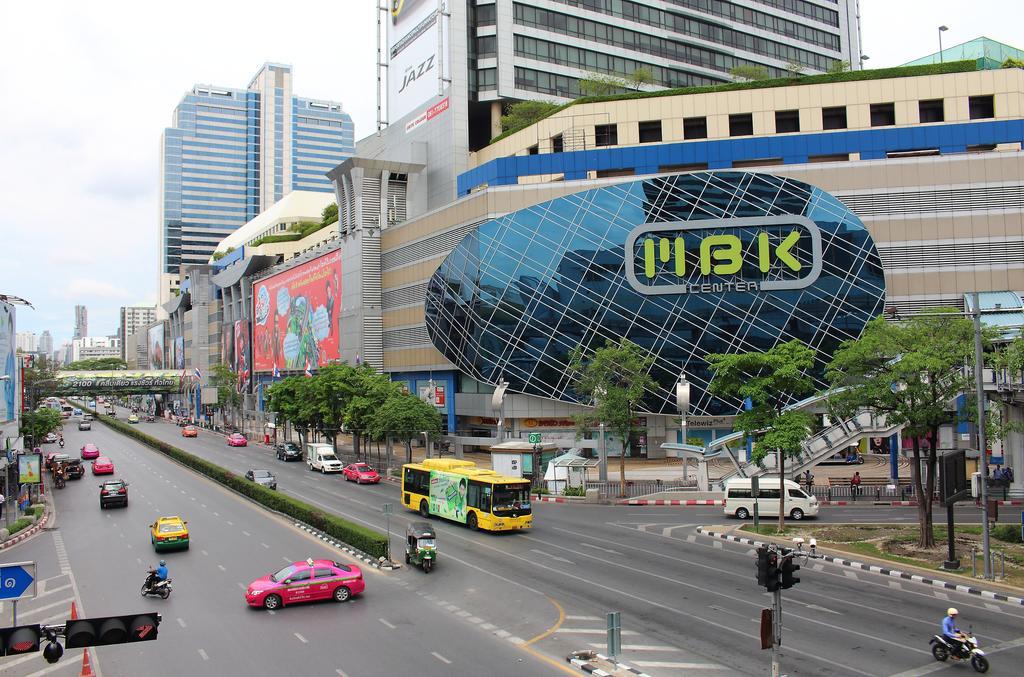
(161, 571)
(950, 631)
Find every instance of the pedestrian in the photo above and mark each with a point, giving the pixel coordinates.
(855, 483)
(3, 504)
(809, 480)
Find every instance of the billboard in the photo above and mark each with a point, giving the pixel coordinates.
(227, 346)
(8, 364)
(179, 352)
(28, 469)
(295, 316)
(156, 346)
(414, 65)
(242, 359)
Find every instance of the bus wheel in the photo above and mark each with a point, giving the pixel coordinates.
(424, 511)
(471, 521)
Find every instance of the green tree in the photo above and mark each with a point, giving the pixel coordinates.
(403, 416)
(371, 390)
(98, 364)
(217, 256)
(640, 77)
(596, 84)
(36, 424)
(749, 73)
(795, 69)
(40, 379)
(228, 398)
(524, 113)
(330, 214)
(909, 371)
(770, 379)
(289, 398)
(329, 393)
(839, 66)
(1013, 63)
(617, 376)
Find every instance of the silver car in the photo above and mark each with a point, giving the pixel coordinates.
(263, 477)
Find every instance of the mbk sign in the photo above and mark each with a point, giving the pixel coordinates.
(772, 253)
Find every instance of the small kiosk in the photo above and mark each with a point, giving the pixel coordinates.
(568, 471)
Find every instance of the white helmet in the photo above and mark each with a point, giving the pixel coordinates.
(951, 611)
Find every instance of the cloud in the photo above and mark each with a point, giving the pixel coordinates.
(83, 287)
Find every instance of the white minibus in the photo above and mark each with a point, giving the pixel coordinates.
(739, 503)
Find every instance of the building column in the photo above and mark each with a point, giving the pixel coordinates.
(495, 118)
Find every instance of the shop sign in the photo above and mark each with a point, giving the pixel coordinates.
(710, 422)
(724, 256)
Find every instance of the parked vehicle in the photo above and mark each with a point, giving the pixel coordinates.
(739, 502)
(321, 457)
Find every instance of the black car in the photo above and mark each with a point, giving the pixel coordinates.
(76, 470)
(113, 492)
(288, 451)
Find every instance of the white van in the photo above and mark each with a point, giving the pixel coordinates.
(739, 503)
(321, 457)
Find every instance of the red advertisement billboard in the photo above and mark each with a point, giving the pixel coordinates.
(241, 366)
(295, 316)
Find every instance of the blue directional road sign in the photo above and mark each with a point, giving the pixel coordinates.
(17, 580)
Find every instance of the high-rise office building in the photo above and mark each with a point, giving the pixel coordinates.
(81, 322)
(45, 343)
(26, 341)
(133, 318)
(231, 153)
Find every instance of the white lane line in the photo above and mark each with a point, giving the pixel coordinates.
(221, 567)
(517, 640)
(440, 658)
(475, 620)
(638, 647)
(204, 552)
(265, 545)
(230, 523)
(590, 631)
(301, 638)
(463, 614)
(63, 587)
(63, 602)
(895, 585)
(582, 618)
(246, 532)
(851, 574)
(386, 623)
(341, 673)
(216, 514)
(597, 547)
(992, 607)
(181, 622)
(505, 633)
(203, 655)
(488, 626)
(202, 505)
(679, 666)
(941, 595)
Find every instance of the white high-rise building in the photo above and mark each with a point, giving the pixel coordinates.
(81, 322)
(27, 341)
(45, 345)
(133, 318)
(89, 347)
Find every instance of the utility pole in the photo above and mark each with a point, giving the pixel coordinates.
(979, 388)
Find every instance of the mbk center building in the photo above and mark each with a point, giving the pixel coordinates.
(465, 270)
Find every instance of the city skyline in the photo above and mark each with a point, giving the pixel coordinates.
(103, 257)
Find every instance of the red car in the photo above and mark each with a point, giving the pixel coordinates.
(361, 473)
(237, 440)
(90, 450)
(189, 431)
(305, 582)
(102, 466)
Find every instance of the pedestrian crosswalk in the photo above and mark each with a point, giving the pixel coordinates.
(52, 604)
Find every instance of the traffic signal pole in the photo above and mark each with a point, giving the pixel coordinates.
(776, 632)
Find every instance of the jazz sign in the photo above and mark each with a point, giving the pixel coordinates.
(772, 253)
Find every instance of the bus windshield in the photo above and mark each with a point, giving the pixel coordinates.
(511, 497)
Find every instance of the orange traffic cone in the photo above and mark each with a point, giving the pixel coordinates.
(86, 665)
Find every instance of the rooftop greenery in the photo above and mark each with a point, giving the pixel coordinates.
(821, 79)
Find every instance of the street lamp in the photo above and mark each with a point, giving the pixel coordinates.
(942, 29)
(602, 449)
(426, 439)
(683, 405)
(863, 58)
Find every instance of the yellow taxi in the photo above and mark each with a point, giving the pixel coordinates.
(169, 533)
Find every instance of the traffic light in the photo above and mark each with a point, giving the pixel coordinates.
(773, 572)
(19, 640)
(85, 632)
(762, 566)
(789, 567)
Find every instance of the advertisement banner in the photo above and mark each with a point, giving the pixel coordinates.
(8, 363)
(295, 316)
(28, 469)
(414, 65)
(179, 352)
(448, 495)
(156, 347)
(242, 359)
(227, 346)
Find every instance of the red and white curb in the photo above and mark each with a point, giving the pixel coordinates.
(551, 499)
(26, 533)
(586, 666)
(666, 501)
(894, 573)
(354, 552)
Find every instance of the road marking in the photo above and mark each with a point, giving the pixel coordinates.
(440, 658)
(638, 647)
(488, 626)
(993, 607)
(181, 622)
(202, 505)
(474, 619)
(203, 655)
(941, 595)
(821, 608)
(204, 552)
(505, 633)
(692, 538)
(386, 623)
(570, 617)
(265, 545)
(517, 640)
(50, 592)
(667, 531)
(63, 602)
(818, 567)
(717, 544)
(221, 567)
(895, 585)
(851, 574)
(463, 614)
(451, 607)
(554, 557)
(597, 547)
(230, 523)
(246, 532)
(341, 673)
(216, 514)
(301, 638)
(679, 666)
(590, 631)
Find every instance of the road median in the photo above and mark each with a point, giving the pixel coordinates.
(371, 542)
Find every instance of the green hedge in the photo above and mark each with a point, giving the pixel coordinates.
(19, 524)
(369, 541)
(1008, 533)
(823, 78)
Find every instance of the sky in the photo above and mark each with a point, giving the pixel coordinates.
(88, 87)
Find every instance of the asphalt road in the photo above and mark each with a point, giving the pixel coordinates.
(689, 604)
(405, 623)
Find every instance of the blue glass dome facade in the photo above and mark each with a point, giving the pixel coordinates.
(683, 265)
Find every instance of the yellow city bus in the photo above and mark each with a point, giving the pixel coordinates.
(459, 491)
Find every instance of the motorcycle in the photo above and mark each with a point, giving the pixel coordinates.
(62, 443)
(152, 586)
(59, 481)
(943, 649)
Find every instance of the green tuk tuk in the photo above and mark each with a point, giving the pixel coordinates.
(421, 545)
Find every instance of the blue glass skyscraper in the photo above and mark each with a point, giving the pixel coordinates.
(229, 154)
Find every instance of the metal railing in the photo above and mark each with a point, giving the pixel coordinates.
(635, 488)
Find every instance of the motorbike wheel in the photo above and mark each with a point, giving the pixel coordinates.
(979, 663)
(940, 652)
(165, 593)
(144, 590)
(427, 566)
